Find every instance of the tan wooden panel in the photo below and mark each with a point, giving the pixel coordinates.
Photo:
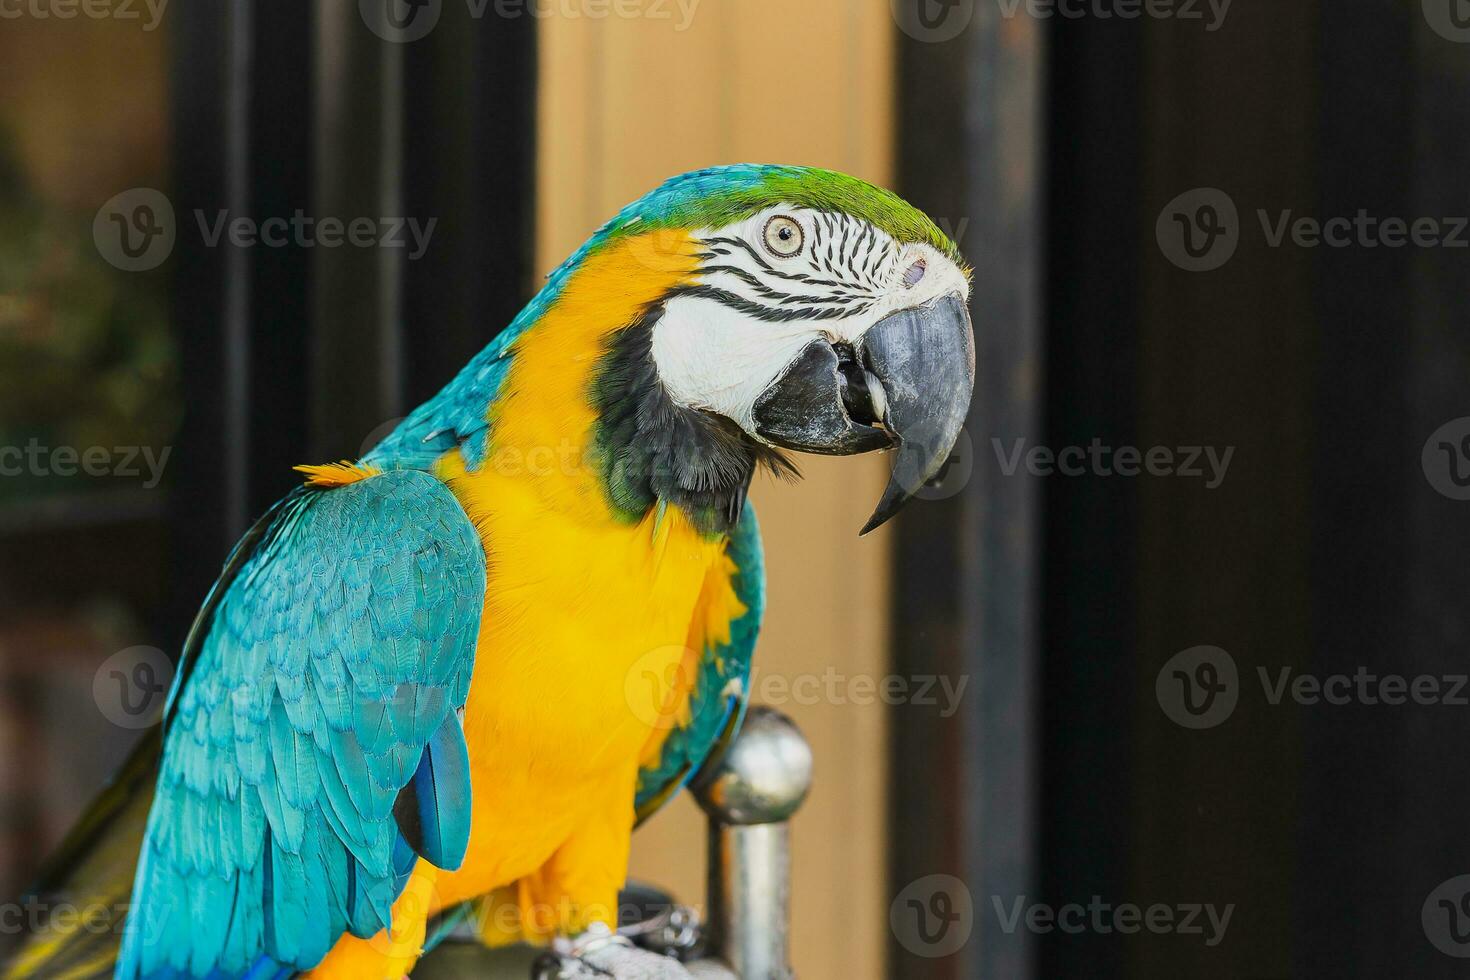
(626, 102)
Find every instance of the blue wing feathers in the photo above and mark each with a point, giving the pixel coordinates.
(335, 652)
(440, 796)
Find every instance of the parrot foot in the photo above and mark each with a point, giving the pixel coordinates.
(599, 954)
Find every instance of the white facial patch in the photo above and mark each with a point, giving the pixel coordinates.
(713, 357)
(719, 345)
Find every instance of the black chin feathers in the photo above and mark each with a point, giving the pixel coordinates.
(652, 450)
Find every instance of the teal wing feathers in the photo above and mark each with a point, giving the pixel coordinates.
(718, 700)
(322, 700)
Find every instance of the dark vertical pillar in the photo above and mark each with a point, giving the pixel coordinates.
(439, 130)
(1326, 550)
(241, 150)
(357, 311)
(1225, 359)
(205, 516)
(282, 160)
(300, 351)
(1095, 249)
(1384, 790)
(967, 568)
(926, 811)
(471, 143)
(1005, 148)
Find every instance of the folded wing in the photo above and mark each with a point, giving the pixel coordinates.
(322, 700)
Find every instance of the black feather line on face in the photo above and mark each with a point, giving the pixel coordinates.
(652, 451)
(743, 305)
(766, 292)
(767, 268)
(868, 240)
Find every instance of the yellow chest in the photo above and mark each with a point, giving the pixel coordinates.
(584, 628)
(586, 648)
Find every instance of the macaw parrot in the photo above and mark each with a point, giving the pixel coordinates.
(463, 667)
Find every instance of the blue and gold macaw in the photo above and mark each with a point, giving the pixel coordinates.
(461, 668)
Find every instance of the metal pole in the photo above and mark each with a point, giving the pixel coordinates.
(750, 797)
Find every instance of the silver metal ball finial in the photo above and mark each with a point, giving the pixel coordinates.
(764, 776)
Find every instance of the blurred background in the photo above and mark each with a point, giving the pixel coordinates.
(1148, 640)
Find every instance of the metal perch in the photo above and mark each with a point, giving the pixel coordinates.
(750, 796)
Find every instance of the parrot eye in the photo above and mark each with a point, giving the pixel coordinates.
(914, 274)
(783, 236)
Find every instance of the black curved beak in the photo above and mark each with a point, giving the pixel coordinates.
(907, 384)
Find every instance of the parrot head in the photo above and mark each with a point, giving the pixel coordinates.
(727, 315)
(812, 311)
